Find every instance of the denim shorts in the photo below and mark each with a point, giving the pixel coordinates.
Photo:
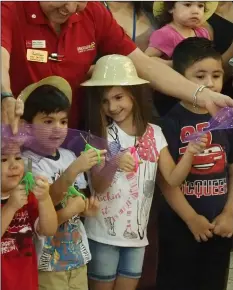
(109, 261)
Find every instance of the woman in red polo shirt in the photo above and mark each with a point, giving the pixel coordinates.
(40, 39)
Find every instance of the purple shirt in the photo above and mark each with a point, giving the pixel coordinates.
(167, 38)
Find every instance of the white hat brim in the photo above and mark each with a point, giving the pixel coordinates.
(109, 83)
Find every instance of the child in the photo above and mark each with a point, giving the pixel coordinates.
(178, 20)
(63, 257)
(185, 261)
(21, 216)
(117, 236)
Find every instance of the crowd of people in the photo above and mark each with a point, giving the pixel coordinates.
(141, 77)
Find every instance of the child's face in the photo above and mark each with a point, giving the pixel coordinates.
(51, 130)
(117, 104)
(188, 14)
(12, 170)
(207, 72)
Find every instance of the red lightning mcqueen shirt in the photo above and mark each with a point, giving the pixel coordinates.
(206, 185)
(18, 256)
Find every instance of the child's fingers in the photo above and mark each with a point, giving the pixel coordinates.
(102, 152)
(93, 202)
(198, 148)
(209, 234)
(87, 204)
(202, 145)
(21, 186)
(42, 178)
(23, 195)
(128, 168)
(203, 139)
(204, 238)
(229, 235)
(197, 238)
(92, 153)
(96, 203)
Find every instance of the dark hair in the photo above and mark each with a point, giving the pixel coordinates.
(138, 6)
(191, 50)
(166, 17)
(45, 99)
(142, 109)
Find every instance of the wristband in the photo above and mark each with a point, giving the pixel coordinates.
(6, 95)
(198, 90)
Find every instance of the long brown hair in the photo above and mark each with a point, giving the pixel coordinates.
(142, 109)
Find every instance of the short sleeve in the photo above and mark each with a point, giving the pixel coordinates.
(8, 14)
(203, 32)
(111, 38)
(163, 143)
(162, 39)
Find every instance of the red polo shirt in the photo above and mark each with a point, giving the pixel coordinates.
(80, 38)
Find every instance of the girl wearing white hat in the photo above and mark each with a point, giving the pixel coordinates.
(178, 20)
(120, 112)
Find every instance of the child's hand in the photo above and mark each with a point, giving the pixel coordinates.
(200, 227)
(75, 205)
(91, 207)
(41, 189)
(18, 198)
(89, 159)
(127, 162)
(197, 147)
(223, 225)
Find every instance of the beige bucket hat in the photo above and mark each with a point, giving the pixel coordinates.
(114, 70)
(55, 81)
(211, 6)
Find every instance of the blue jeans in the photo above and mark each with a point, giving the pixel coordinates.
(109, 261)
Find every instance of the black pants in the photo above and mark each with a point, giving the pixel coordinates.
(185, 264)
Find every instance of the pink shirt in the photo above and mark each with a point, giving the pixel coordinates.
(166, 38)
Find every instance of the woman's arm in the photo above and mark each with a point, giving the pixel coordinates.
(152, 51)
(165, 80)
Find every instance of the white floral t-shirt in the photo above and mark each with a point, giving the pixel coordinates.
(125, 206)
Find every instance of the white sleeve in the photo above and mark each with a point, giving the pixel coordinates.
(159, 138)
(163, 141)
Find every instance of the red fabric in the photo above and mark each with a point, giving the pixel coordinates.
(85, 33)
(18, 255)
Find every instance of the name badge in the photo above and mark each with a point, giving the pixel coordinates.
(35, 43)
(37, 55)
